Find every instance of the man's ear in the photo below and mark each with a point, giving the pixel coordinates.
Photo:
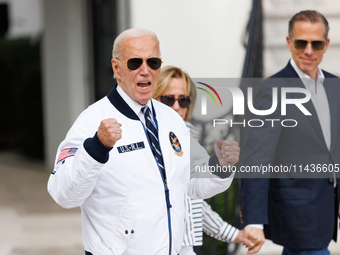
(115, 67)
(327, 43)
(288, 43)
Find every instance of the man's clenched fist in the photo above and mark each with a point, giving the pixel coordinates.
(109, 132)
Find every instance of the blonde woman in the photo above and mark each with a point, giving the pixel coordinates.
(176, 90)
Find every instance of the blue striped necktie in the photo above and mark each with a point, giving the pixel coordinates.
(152, 132)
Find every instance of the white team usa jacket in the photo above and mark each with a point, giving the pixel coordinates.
(121, 192)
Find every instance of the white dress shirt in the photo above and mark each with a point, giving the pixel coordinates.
(319, 99)
(135, 106)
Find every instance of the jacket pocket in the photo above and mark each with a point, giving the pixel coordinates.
(122, 233)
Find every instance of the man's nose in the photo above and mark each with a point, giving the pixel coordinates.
(309, 49)
(144, 69)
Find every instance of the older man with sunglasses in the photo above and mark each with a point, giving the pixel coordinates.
(297, 213)
(126, 160)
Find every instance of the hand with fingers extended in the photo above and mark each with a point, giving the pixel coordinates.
(256, 236)
(109, 132)
(227, 152)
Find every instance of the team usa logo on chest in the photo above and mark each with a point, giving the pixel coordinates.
(175, 144)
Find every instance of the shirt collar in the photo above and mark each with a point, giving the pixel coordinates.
(135, 106)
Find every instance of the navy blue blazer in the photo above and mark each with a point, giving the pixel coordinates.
(298, 213)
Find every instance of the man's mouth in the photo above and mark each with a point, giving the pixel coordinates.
(308, 60)
(144, 84)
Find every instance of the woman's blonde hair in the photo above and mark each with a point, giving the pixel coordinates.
(165, 76)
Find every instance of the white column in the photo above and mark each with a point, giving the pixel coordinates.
(66, 75)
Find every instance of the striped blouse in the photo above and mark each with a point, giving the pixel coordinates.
(200, 217)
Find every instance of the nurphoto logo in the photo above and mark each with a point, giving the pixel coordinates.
(281, 97)
(204, 98)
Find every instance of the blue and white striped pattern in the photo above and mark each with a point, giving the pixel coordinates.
(214, 226)
(193, 230)
(153, 138)
(201, 216)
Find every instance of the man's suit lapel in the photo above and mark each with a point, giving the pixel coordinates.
(295, 81)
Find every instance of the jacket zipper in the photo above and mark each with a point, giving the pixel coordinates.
(166, 191)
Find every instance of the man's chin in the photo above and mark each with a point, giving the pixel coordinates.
(307, 68)
(143, 100)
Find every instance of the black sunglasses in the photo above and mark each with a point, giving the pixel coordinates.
(302, 44)
(184, 101)
(135, 63)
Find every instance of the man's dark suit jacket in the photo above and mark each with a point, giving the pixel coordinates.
(298, 213)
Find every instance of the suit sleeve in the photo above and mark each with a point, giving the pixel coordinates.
(259, 149)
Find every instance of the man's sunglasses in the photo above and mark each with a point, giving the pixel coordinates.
(135, 63)
(302, 44)
(184, 101)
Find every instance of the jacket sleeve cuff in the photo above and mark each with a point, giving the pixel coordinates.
(96, 149)
(213, 161)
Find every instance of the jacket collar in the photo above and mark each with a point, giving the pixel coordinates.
(289, 72)
(330, 83)
(119, 103)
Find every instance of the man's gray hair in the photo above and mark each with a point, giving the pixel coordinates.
(131, 33)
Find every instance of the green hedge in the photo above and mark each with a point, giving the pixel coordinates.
(21, 126)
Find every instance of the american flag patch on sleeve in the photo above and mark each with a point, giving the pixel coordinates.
(65, 153)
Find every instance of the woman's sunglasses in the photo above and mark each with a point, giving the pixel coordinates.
(302, 44)
(135, 63)
(184, 101)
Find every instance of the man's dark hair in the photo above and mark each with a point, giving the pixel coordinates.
(309, 16)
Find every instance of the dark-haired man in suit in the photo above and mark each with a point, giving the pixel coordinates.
(297, 213)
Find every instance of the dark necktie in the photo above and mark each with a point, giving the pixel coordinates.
(152, 132)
